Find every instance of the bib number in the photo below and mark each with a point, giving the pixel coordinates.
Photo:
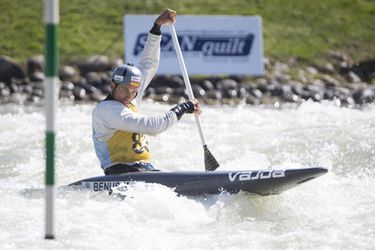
(138, 145)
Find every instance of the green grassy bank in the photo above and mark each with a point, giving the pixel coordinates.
(301, 28)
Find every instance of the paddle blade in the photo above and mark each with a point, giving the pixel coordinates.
(210, 163)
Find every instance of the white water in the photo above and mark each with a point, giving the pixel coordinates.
(336, 210)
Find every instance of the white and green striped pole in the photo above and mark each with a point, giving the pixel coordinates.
(51, 14)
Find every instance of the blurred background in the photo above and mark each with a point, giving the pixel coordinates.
(307, 30)
(313, 50)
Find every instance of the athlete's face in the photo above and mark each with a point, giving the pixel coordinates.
(124, 93)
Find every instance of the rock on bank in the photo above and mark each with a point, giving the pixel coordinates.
(291, 81)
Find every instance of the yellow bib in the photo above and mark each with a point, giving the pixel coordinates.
(128, 147)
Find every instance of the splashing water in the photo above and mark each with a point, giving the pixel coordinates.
(334, 211)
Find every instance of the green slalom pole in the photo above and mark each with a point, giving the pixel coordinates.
(51, 13)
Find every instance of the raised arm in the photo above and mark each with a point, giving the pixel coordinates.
(150, 57)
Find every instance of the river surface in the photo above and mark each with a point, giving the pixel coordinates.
(335, 211)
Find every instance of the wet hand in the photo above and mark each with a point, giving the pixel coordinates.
(167, 17)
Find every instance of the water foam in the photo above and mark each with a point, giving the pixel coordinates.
(334, 211)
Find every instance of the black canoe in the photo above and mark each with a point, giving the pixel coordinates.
(261, 182)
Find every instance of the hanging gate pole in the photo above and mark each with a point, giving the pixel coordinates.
(51, 15)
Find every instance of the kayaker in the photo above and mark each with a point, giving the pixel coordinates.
(118, 129)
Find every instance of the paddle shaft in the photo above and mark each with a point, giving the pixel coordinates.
(187, 81)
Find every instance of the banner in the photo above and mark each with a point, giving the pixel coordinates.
(211, 45)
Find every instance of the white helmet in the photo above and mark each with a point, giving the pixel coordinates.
(127, 74)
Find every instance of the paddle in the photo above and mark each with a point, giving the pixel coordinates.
(210, 162)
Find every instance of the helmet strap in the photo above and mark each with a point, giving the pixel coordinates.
(135, 95)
